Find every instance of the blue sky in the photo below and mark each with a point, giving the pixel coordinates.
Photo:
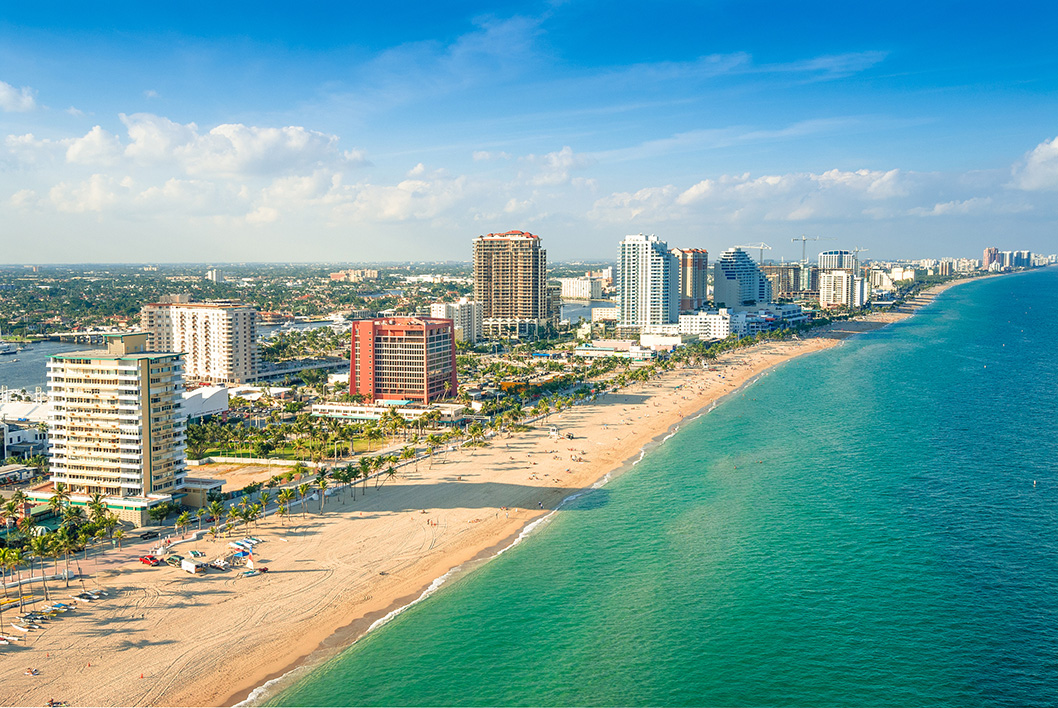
(250, 131)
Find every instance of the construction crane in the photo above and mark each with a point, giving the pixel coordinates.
(856, 255)
(803, 239)
(762, 246)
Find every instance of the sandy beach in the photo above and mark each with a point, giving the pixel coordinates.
(165, 637)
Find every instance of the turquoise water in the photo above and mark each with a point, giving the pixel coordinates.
(859, 528)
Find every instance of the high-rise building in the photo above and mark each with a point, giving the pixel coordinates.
(990, 256)
(510, 284)
(465, 315)
(215, 275)
(403, 358)
(118, 428)
(842, 288)
(786, 279)
(218, 339)
(832, 260)
(738, 284)
(649, 283)
(692, 265)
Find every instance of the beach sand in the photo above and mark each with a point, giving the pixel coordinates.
(165, 637)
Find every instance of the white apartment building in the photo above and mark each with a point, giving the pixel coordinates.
(899, 273)
(841, 288)
(118, 427)
(581, 288)
(218, 339)
(465, 315)
(834, 260)
(649, 285)
(738, 284)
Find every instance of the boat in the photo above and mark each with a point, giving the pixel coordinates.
(12, 639)
(18, 627)
(6, 348)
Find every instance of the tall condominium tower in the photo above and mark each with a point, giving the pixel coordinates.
(738, 283)
(649, 283)
(991, 255)
(118, 428)
(830, 260)
(693, 267)
(403, 358)
(842, 288)
(218, 339)
(510, 284)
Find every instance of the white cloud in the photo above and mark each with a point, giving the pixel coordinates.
(92, 195)
(1038, 170)
(150, 93)
(408, 200)
(75, 112)
(24, 198)
(16, 100)
(97, 147)
(554, 167)
(483, 155)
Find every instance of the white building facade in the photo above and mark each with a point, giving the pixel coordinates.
(465, 315)
(581, 288)
(218, 339)
(118, 427)
(649, 286)
(738, 284)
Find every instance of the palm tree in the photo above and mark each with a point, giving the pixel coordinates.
(321, 483)
(73, 516)
(303, 490)
(38, 548)
(285, 497)
(406, 453)
(183, 521)
(59, 498)
(5, 564)
(118, 535)
(265, 498)
(365, 467)
(200, 514)
(432, 441)
(15, 559)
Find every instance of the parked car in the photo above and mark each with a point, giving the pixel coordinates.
(148, 535)
(174, 561)
(151, 560)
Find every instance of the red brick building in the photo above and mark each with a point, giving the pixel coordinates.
(403, 358)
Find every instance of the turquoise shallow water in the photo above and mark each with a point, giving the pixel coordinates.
(858, 528)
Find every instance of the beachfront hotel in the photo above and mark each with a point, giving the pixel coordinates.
(649, 284)
(510, 284)
(218, 339)
(738, 284)
(692, 265)
(403, 359)
(117, 427)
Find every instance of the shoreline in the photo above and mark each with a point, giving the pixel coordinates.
(336, 575)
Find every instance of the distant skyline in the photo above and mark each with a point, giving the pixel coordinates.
(350, 133)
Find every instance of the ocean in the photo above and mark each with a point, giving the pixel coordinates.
(873, 525)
